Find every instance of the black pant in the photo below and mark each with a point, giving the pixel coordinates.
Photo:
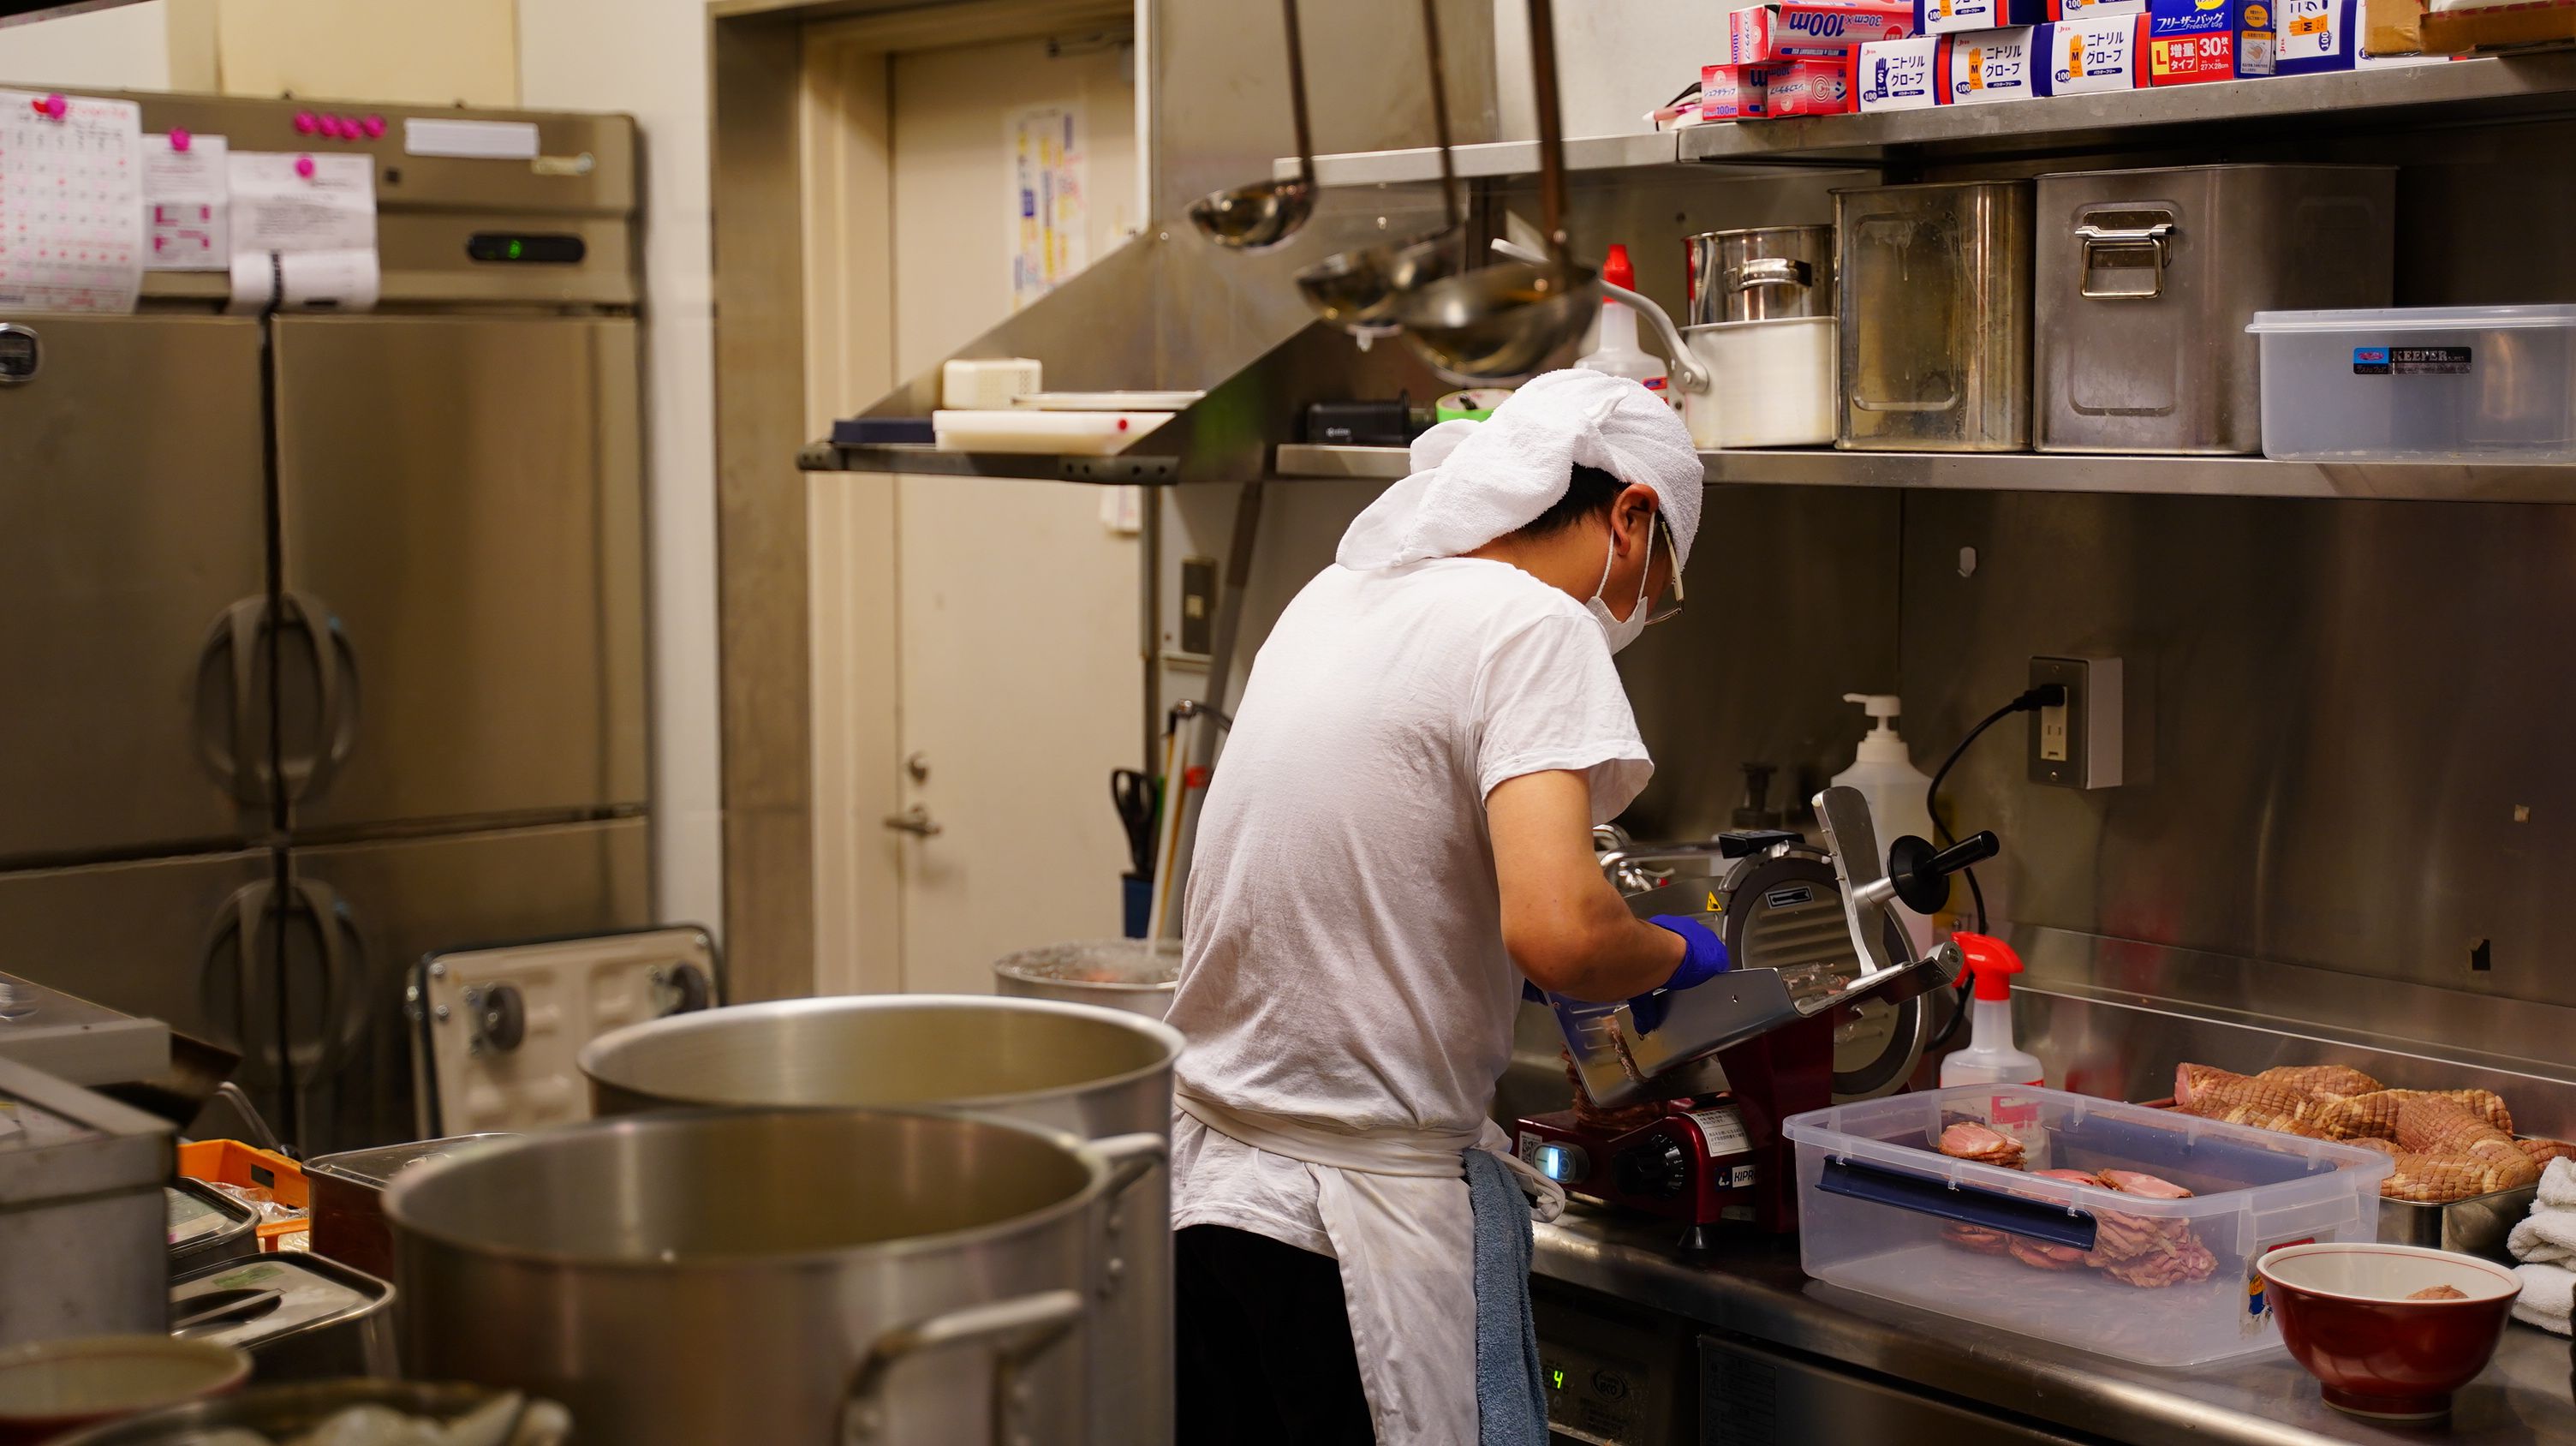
(1265, 1344)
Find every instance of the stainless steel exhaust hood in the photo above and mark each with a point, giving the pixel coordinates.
(1170, 311)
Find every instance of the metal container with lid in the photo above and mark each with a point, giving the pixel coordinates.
(206, 1227)
(1933, 287)
(1135, 975)
(789, 1275)
(1091, 1072)
(301, 1317)
(83, 1222)
(348, 1191)
(1760, 273)
(2146, 280)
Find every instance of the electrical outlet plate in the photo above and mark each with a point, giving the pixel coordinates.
(2078, 744)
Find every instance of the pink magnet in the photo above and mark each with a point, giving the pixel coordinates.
(55, 106)
(180, 140)
(350, 130)
(304, 167)
(306, 123)
(374, 126)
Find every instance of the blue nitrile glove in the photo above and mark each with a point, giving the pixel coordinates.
(1704, 954)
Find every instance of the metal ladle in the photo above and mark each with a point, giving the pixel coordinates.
(1503, 321)
(1356, 289)
(1683, 368)
(1266, 213)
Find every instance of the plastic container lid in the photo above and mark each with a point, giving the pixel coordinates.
(2414, 318)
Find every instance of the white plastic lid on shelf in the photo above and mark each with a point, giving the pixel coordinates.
(2414, 318)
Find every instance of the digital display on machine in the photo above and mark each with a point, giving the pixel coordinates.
(510, 246)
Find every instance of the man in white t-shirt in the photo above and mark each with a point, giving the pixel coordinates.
(1396, 837)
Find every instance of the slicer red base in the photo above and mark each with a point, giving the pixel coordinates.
(1704, 1163)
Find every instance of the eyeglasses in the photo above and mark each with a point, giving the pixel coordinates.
(1668, 603)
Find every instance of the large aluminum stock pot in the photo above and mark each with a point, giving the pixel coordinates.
(772, 1275)
(1095, 1073)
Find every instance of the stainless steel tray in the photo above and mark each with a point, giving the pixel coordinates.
(2475, 1226)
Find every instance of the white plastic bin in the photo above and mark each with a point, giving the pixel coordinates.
(1882, 1211)
(2419, 384)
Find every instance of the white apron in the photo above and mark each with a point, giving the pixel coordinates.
(1394, 1204)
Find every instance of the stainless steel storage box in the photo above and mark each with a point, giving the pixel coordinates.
(2146, 279)
(83, 1221)
(1933, 287)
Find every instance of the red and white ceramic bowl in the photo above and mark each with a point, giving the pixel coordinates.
(2346, 1315)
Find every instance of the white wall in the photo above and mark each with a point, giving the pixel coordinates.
(648, 58)
(126, 48)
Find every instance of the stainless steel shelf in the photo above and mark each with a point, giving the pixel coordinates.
(2487, 89)
(923, 460)
(1492, 158)
(2053, 472)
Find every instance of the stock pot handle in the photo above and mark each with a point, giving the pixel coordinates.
(1131, 1158)
(1019, 1328)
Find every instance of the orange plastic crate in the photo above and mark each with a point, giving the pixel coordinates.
(230, 1162)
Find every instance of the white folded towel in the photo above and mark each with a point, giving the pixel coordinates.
(2548, 1235)
(2548, 1295)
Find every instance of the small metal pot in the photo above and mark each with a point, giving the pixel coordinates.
(1763, 273)
(1091, 1072)
(1128, 974)
(786, 1276)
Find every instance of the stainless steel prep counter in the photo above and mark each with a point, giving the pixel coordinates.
(1752, 1288)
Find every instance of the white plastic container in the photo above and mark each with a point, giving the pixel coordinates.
(1881, 1211)
(1772, 383)
(2419, 384)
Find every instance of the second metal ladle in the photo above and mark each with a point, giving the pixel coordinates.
(1266, 213)
(1356, 289)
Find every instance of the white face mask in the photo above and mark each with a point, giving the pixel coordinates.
(1621, 634)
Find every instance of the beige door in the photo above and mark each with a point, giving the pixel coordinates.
(1010, 664)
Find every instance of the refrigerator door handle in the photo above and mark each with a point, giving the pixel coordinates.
(230, 658)
(344, 1012)
(335, 689)
(236, 920)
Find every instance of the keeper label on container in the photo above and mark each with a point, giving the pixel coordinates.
(2410, 361)
(1723, 1129)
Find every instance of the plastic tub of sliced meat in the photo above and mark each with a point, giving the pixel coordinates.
(2111, 1227)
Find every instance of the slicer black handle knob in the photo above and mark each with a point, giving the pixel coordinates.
(1921, 874)
(1745, 845)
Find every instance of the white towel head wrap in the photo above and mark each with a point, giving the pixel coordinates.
(1475, 481)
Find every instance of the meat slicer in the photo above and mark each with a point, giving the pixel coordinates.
(1681, 1093)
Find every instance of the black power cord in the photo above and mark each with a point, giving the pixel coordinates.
(2046, 695)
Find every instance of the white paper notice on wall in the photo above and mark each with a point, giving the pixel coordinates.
(71, 202)
(471, 140)
(1049, 208)
(283, 201)
(187, 203)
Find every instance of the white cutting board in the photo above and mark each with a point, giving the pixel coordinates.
(1076, 433)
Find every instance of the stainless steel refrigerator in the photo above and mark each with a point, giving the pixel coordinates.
(322, 636)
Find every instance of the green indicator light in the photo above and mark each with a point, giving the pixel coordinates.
(1556, 1380)
(518, 249)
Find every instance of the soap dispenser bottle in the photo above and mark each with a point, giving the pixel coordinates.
(1897, 792)
(1990, 1057)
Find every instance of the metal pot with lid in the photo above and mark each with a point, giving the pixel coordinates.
(786, 1276)
(1761, 273)
(1094, 1073)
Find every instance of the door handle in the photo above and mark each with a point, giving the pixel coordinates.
(344, 1012)
(916, 821)
(236, 922)
(228, 667)
(335, 690)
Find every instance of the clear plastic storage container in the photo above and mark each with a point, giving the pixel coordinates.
(2419, 384)
(2164, 1282)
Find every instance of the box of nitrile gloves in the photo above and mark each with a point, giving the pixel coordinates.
(1759, 36)
(1987, 66)
(2229, 40)
(2317, 35)
(1842, 25)
(2077, 57)
(1899, 74)
(1956, 17)
(1734, 92)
